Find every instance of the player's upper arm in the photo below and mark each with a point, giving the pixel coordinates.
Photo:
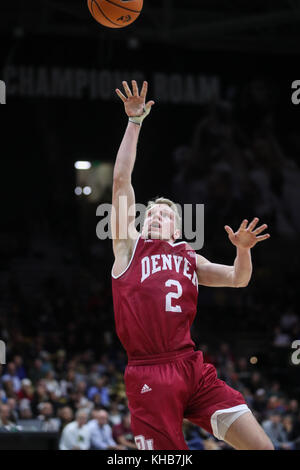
(124, 233)
(214, 275)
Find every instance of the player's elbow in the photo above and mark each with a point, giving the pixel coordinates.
(239, 284)
(244, 284)
(121, 179)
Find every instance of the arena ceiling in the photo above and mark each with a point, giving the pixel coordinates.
(266, 26)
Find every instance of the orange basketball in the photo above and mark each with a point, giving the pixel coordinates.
(115, 13)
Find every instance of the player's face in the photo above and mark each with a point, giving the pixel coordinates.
(160, 223)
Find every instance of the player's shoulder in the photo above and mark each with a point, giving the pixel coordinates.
(186, 249)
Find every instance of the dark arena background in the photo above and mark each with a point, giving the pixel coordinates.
(224, 132)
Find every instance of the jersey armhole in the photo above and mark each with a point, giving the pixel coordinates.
(130, 261)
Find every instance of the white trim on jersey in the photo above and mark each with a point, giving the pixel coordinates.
(176, 244)
(136, 242)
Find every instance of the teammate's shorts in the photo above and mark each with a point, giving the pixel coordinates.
(169, 388)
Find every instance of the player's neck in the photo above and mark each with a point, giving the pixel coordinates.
(171, 241)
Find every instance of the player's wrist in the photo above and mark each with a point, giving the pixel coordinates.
(130, 119)
(243, 249)
(138, 120)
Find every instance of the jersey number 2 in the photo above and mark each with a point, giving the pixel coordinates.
(173, 295)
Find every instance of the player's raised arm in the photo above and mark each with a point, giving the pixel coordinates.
(123, 201)
(238, 275)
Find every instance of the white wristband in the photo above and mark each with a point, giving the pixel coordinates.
(139, 119)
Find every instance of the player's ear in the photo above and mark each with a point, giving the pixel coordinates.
(176, 234)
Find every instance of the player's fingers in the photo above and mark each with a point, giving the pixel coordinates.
(149, 104)
(229, 230)
(243, 224)
(135, 88)
(127, 89)
(144, 89)
(253, 223)
(120, 95)
(263, 237)
(260, 229)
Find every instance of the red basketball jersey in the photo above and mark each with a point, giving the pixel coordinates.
(155, 298)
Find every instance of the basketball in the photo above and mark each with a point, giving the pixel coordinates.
(115, 13)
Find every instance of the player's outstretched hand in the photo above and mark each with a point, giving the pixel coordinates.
(135, 102)
(247, 237)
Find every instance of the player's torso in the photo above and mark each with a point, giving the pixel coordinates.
(155, 299)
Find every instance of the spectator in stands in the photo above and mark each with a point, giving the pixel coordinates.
(242, 369)
(79, 399)
(274, 389)
(293, 408)
(25, 409)
(66, 416)
(40, 395)
(94, 373)
(224, 356)
(51, 383)
(295, 435)
(9, 390)
(55, 398)
(20, 369)
(274, 429)
(49, 422)
(113, 375)
(5, 422)
(260, 401)
(192, 436)
(100, 389)
(46, 362)
(26, 390)
(275, 403)
(115, 415)
(288, 426)
(101, 433)
(11, 375)
(60, 364)
(68, 383)
(76, 435)
(36, 372)
(122, 433)
(81, 387)
(249, 398)
(13, 407)
(256, 382)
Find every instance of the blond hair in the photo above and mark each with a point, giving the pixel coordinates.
(171, 204)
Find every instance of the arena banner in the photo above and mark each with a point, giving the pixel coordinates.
(93, 84)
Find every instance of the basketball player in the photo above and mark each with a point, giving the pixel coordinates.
(155, 288)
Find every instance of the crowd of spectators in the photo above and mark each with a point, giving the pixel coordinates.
(82, 398)
(61, 395)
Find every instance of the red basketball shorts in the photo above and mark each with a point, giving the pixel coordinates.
(166, 390)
